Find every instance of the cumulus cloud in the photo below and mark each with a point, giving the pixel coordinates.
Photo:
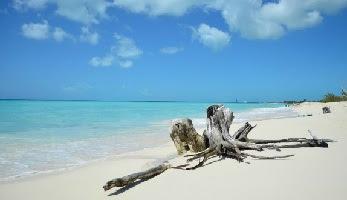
(211, 36)
(37, 31)
(123, 52)
(125, 47)
(59, 34)
(88, 36)
(25, 4)
(102, 61)
(171, 50)
(253, 19)
(271, 20)
(159, 7)
(42, 31)
(84, 11)
(125, 63)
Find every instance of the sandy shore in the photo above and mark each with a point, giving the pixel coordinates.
(313, 173)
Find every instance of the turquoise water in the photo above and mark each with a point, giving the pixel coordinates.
(44, 136)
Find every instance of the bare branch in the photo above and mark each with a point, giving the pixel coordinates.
(217, 142)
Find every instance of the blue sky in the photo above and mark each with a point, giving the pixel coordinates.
(192, 50)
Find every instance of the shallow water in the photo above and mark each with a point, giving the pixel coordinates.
(44, 136)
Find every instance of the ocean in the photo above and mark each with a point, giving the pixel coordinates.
(46, 136)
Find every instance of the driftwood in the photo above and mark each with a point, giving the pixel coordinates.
(126, 180)
(216, 141)
(185, 137)
(326, 110)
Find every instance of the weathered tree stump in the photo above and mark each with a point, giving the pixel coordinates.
(216, 141)
(185, 137)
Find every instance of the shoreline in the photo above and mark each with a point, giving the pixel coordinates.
(152, 101)
(257, 114)
(61, 171)
(85, 182)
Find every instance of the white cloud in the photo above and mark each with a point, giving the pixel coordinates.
(171, 50)
(37, 31)
(123, 52)
(211, 37)
(25, 4)
(253, 19)
(84, 11)
(102, 61)
(126, 63)
(125, 47)
(243, 16)
(159, 7)
(42, 31)
(89, 36)
(59, 34)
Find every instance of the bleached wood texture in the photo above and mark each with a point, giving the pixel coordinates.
(216, 141)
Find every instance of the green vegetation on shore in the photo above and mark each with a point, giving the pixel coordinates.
(330, 97)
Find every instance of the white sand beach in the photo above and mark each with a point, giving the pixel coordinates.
(313, 173)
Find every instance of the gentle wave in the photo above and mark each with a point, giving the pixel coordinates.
(26, 160)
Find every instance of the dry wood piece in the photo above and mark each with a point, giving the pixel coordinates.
(126, 180)
(217, 141)
(185, 137)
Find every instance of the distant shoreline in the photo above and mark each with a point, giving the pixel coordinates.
(149, 101)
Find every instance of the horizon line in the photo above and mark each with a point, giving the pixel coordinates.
(176, 101)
